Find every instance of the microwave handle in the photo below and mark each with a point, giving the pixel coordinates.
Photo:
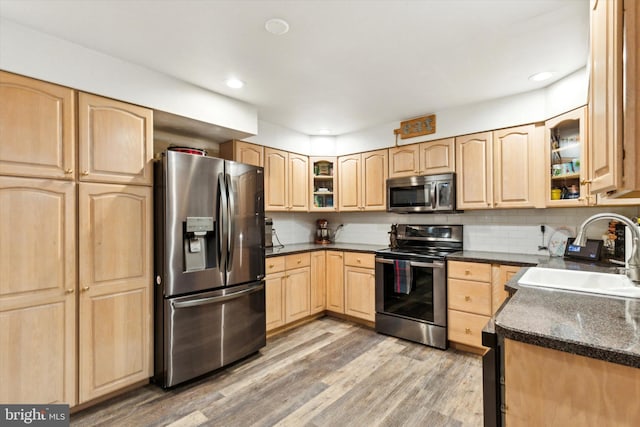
(433, 194)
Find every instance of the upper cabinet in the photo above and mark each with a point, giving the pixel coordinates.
(613, 150)
(243, 152)
(474, 167)
(426, 158)
(37, 128)
(500, 169)
(115, 141)
(362, 183)
(322, 171)
(286, 181)
(566, 160)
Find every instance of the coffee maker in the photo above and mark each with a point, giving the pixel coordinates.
(323, 234)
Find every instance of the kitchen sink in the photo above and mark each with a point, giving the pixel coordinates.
(580, 281)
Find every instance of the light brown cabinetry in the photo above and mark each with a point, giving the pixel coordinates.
(115, 302)
(324, 182)
(318, 281)
(37, 291)
(362, 183)
(115, 141)
(38, 128)
(359, 285)
(426, 158)
(566, 161)
(335, 281)
(475, 291)
(243, 152)
(286, 181)
(288, 289)
(547, 387)
(500, 169)
(274, 292)
(614, 90)
(75, 353)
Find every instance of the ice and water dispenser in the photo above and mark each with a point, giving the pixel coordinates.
(199, 243)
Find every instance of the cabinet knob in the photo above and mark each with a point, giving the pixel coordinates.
(467, 272)
(271, 265)
(68, 171)
(358, 259)
(467, 331)
(85, 173)
(467, 298)
(69, 291)
(85, 289)
(299, 261)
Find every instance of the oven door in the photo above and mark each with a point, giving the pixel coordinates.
(426, 300)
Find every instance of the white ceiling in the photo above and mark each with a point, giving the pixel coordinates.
(344, 65)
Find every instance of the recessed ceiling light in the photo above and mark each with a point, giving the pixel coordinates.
(538, 77)
(323, 131)
(234, 83)
(277, 26)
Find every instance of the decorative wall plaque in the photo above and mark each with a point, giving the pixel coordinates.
(417, 127)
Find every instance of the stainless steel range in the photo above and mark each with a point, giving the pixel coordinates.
(411, 282)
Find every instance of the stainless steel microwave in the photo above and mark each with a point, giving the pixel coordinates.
(427, 193)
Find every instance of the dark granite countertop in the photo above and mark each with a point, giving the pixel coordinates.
(504, 258)
(597, 326)
(309, 247)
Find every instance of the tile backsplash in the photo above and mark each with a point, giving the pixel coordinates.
(497, 230)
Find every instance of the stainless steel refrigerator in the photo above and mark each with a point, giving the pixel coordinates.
(209, 261)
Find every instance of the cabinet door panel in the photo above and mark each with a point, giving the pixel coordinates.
(335, 281)
(37, 124)
(298, 182)
(274, 300)
(516, 165)
(359, 293)
(297, 294)
(37, 291)
(474, 164)
(115, 141)
(275, 180)
(437, 156)
(318, 281)
(349, 182)
(115, 281)
(374, 180)
(115, 338)
(404, 161)
(250, 154)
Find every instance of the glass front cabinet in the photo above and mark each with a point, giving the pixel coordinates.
(565, 145)
(323, 184)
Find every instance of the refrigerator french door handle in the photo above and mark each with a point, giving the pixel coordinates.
(212, 300)
(222, 222)
(231, 222)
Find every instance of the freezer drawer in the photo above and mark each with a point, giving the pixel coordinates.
(209, 330)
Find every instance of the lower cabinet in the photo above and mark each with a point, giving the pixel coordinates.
(288, 289)
(474, 292)
(359, 285)
(335, 281)
(545, 387)
(318, 281)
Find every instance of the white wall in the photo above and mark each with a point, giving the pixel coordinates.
(31, 53)
(535, 106)
(276, 136)
(496, 230)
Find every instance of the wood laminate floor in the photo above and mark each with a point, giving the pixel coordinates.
(326, 373)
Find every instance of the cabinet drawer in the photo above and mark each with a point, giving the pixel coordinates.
(274, 265)
(472, 297)
(466, 328)
(359, 259)
(297, 260)
(470, 271)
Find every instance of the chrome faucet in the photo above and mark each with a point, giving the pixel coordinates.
(633, 272)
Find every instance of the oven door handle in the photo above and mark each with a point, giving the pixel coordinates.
(436, 264)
